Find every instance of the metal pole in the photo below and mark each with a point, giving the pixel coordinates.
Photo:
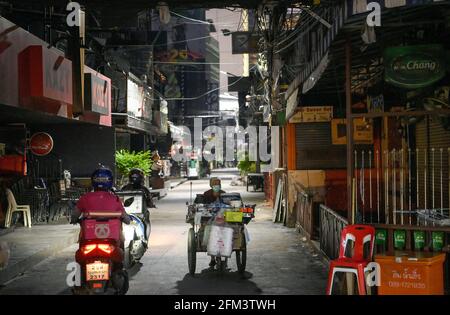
(356, 187)
(442, 189)
(402, 186)
(363, 194)
(370, 184)
(432, 178)
(378, 186)
(417, 184)
(386, 186)
(409, 185)
(394, 187)
(349, 126)
(425, 189)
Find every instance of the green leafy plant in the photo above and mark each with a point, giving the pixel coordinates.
(126, 160)
(245, 166)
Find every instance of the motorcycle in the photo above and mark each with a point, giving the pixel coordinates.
(137, 233)
(100, 255)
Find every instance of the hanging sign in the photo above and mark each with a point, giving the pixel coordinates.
(362, 131)
(312, 114)
(375, 103)
(414, 67)
(97, 90)
(41, 143)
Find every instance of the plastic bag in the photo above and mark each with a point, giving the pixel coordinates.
(220, 241)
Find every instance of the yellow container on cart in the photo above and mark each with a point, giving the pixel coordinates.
(234, 216)
(411, 273)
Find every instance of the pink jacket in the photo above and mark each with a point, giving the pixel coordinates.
(101, 202)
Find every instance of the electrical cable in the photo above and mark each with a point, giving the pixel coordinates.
(190, 19)
(204, 94)
(196, 63)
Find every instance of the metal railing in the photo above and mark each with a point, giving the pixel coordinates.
(331, 225)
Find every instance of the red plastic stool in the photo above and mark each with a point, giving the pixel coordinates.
(362, 238)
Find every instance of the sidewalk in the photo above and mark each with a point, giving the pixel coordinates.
(29, 246)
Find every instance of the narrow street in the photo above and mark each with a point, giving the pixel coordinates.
(278, 262)
(331, 119)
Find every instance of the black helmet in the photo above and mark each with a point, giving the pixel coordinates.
(136, 176)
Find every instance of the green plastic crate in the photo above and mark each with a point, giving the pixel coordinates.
(419, 240)
(399, 239)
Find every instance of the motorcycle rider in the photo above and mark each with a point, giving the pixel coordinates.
(136, 182)
(101, 199)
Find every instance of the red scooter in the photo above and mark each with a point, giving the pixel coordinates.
(100, 254)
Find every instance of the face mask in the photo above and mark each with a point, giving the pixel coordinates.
(216, 188)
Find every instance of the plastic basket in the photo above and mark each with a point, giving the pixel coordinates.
(233, 216)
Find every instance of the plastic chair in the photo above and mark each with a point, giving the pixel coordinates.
(14, 207)
(356, 262)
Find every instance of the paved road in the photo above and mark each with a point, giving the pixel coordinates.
(278, 261)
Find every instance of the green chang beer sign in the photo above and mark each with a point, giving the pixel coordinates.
(380, 237)
(399, 239)
(419, 239)
(437, 240)
(414, 67)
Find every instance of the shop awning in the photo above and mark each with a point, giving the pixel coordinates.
(349, 18)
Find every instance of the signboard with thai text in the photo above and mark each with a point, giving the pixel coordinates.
(309, 114)
(362, 131)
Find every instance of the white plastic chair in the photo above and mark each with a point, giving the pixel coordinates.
(14, 207)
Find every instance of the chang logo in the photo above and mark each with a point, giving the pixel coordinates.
(417, 63)
(421, 65)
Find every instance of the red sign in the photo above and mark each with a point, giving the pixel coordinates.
(44, 77)
(97, 90)
(41, 143)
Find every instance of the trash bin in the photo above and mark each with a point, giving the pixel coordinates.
(411, 273)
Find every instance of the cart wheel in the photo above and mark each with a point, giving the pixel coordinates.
(241, 258)
(192, 251)
(221, 264)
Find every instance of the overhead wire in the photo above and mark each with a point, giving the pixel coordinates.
(204, 94)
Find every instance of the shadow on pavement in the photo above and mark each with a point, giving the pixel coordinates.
(134, 270)
(213, 282)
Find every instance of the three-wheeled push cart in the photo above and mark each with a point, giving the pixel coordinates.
(232, 217)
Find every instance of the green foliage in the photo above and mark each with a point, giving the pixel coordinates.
(126, 160)
(245, 166)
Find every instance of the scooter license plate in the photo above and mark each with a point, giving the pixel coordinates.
(97, 271)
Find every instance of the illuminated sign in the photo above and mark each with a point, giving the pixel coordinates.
(44, 75)
(414, 66)
(41, 143)
(97, 94)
